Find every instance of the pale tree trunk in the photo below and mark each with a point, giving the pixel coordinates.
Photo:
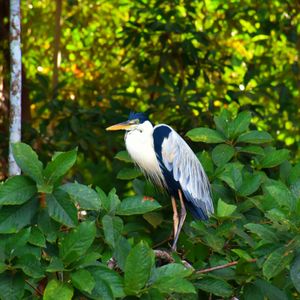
(56, 43)
(15, 83)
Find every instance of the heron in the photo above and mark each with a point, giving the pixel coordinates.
(170, 164)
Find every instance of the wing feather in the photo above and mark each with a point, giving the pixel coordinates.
(177, 157)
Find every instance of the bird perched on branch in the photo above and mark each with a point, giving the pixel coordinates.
(167, 160)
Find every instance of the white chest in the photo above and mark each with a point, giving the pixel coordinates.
(140, 147)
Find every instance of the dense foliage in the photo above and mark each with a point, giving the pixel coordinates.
(64, 239)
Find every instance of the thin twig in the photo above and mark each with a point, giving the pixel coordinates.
(37, 291)
(233, 263)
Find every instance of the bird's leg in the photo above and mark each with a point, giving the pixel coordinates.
(181, 221)
(175, 217)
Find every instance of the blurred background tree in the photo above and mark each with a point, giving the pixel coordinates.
(88, 63)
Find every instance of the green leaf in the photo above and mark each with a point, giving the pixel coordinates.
(255, 137)
(232, 175)
(173, 270)
(123, 156)
(129, 173)
(16, 190)
(30, 265)
(76, 243)
(274, 158)
(280, 193)
(263, 231)
(11, 286)
(252, 149)
(154, 218)
(205, 135)
(83, 280)
(61, 208)
(112, 227)
(295, 273)
(222, 154)
(242, 254)
(222, 122)
(58, 290)
(15, 241)
(224, 209)
(137, 268)
(121, 251)
(85, 196)
(28, 161)
(59, 166)
(13, 218)
(174, 285)
(111, 202)
(112, 278)
(215, 286)
(102, 290)
(240, 124)
(48, 226)
(37, 237)
(277, 261)
(136, 205)
(251, 183)
(270, 291)
(55, 265)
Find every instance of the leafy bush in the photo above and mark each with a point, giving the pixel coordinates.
(64, 240)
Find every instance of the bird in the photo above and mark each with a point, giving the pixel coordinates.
(170, 164)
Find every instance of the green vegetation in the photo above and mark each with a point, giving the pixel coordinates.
(68, 240)
(223, 73)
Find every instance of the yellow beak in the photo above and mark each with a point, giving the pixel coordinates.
(120, 126)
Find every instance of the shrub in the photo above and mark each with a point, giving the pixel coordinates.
(67, 240)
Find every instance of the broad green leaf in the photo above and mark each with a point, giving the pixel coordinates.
(255, 137)
(232, 175)
(222, 122)
(59, 166)
(112, 227)
(48, 226)
(55, 265)
(277, 261)
(270, 291)
(16, 241)
(252, 149)
(242, 254)
(37, 237)
(28, 161)
(137, 268)
(222, 154)
(251, 183)
(89, 259)
(280, 193)
(30, 265)
(61, 208)
(121, 251)
(124, 156)
(58, 290)
(13, 218)
(274, 158)
(76, 243)
(174, 285)
(263, 231)
(112, 278)
(102, 290)
(16, 190)
(295, 273)
(136, 205)
(129, 173)
(173, 270)
(252, 292)
(215, 286)
(224, 209)
(205, 135)
(154, 218)
(111, 202)
(294, 174)
(85, 196)
(11, 286)
(83, 280)
(240, 124)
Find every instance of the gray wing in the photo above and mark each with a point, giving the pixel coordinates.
(179, 159)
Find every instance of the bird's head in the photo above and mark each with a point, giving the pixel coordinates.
(135, 120)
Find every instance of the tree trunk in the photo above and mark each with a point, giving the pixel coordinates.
(56, 43)
(15, 83)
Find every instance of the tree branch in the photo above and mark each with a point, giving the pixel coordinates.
(233, 263)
